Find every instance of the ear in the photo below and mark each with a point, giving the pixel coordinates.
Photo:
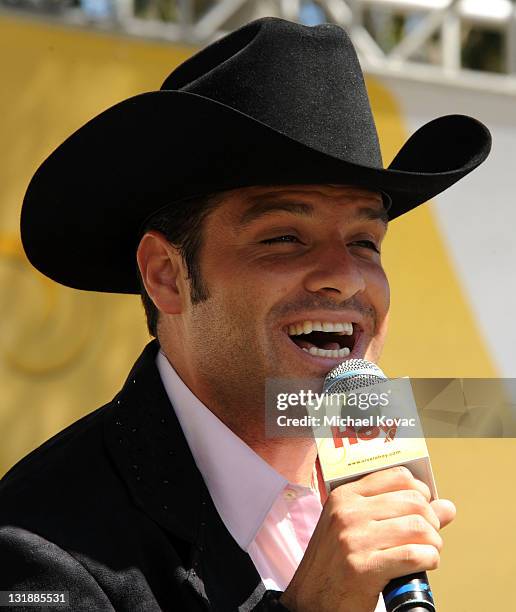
(162, 271)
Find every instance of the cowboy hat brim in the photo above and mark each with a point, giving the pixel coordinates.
(84, 208)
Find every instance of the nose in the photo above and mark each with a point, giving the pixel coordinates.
(335, 273)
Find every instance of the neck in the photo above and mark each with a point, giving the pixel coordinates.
(293, 458)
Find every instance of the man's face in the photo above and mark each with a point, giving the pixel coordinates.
(295, 281)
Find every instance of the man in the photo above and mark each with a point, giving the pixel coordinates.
(251, 193)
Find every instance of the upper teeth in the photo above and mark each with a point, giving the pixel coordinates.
(307, 327)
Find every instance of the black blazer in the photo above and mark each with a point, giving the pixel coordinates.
(114, 510)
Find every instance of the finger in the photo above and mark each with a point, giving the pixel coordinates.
(402, 503)
(403, 560)
(411, 529)
(391, 479)
(445, 511)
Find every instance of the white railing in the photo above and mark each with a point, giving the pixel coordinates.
(435, 24)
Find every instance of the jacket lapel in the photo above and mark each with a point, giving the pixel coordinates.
(144, 437)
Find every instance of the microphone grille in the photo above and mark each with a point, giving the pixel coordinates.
(352, 374)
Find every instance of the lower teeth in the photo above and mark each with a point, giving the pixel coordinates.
(319, 352)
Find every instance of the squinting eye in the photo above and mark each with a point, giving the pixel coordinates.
(288, 238)
(368, 244)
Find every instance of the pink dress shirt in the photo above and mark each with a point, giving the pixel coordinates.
(270, 518)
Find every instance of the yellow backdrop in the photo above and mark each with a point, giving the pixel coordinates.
(65, 352)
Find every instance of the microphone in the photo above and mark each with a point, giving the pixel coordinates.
(410, 593)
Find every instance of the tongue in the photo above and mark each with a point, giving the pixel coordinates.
(329, 346)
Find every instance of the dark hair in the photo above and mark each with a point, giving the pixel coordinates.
(181, 224)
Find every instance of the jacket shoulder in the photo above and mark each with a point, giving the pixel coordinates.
(60, 490)
(61, 455)
(73, 458)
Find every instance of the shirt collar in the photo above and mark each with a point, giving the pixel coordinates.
(242, 485)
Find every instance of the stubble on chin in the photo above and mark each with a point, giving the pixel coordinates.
(230, 369)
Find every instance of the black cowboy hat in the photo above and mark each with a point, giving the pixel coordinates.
(274, 102)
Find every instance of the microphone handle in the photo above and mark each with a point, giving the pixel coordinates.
(410, 593)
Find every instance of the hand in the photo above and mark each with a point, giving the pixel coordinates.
(372, 530)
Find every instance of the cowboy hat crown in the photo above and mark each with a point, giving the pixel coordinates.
(305, 82)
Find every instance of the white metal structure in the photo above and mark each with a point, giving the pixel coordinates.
(439, 20)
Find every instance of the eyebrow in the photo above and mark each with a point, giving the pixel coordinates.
(261, 208)
(373, 214)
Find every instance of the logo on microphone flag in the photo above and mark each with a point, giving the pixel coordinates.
(350, 447)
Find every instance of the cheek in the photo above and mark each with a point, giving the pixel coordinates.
(379, 296)
(381, 292)
(253, 285)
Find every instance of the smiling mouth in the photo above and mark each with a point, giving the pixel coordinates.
(324, 338)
